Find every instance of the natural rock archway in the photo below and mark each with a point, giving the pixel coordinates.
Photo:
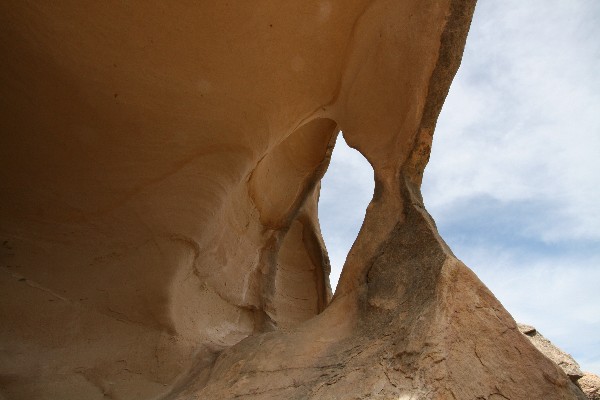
(160, 165)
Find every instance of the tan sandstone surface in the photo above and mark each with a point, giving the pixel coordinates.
(159, 172)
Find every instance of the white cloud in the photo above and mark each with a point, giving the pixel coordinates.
(522, 118)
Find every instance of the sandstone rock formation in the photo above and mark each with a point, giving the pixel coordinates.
(160, 166)
(588, 382)
(562, 359)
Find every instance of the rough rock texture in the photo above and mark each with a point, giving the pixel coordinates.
(564, 360)
(159, 172)
(588, 382)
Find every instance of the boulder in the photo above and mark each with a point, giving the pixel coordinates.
(590, 384)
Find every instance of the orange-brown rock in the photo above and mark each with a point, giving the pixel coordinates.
(159, 170)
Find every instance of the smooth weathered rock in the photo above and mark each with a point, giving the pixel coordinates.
(159, 171)
(590, 384)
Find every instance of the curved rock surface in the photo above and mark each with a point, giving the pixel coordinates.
(159, 171)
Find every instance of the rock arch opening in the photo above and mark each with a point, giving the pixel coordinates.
(346, 190)
(290, 279)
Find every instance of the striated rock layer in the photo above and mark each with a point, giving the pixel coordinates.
(159, 172)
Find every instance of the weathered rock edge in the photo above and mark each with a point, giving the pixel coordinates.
(587, 381)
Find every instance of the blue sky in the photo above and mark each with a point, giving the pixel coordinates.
(514, 177)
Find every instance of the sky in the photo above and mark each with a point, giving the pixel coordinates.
(513, 182)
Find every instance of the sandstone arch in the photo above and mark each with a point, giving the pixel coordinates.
(142, 217)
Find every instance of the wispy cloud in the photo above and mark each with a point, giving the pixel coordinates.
(522, 119)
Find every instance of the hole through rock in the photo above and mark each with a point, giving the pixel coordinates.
(346, 190)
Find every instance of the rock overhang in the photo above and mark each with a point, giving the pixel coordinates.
(161, 166)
